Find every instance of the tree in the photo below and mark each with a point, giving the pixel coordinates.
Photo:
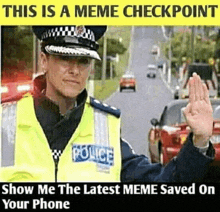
(17, 43)
(181, 47)
(114, 47)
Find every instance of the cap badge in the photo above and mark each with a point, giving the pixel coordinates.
(79, 30)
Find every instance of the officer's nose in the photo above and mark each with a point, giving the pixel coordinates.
(74, 68)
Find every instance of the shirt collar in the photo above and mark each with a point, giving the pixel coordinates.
(41, 100)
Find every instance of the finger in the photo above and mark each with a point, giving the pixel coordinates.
(187, 109)
(197, 89)
(206, 94)
(191, 90)
(202, 91)
(200, 88)
(187, 112)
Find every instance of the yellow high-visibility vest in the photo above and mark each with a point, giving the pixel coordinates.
(92, 154)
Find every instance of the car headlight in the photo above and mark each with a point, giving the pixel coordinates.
(4, 89)
(23, 87)
(170, 129)
(215, 139)
(177, 87)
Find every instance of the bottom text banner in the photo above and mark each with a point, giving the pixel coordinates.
(88, 196)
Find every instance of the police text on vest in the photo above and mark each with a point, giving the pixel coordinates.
(99, 189)
(93, 153)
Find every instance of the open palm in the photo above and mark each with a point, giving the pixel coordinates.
(198, 112)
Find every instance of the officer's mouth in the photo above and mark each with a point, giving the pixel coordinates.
(71, 81)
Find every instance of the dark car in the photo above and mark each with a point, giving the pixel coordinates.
(151, 71)
(176, 92)
(128, 81)
(167, 135)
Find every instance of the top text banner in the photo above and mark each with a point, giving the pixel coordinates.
(114, 12)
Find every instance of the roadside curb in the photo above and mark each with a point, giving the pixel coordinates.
(106, 100)
(165, 82)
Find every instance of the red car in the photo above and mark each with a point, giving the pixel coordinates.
(10, 89)
(127, 81)
(167, 135)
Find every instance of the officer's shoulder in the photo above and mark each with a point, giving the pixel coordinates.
(12, 100)
(8, 104)
(105, 107)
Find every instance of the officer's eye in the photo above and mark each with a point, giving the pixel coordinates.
(84, 61)
(65, 58)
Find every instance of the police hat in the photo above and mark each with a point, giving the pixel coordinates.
(71, 40)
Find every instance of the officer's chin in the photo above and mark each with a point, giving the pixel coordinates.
(70, 94)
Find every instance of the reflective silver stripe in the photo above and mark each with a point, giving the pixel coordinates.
(101, 128)
(101, 133)
(8, 133)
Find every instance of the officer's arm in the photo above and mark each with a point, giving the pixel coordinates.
(190, 165)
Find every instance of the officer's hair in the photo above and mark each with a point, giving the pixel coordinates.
(42, 45)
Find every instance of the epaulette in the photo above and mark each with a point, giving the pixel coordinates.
(104, 107)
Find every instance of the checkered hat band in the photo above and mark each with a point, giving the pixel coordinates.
(68, 31)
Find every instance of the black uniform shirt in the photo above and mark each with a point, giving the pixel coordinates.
(58, 128)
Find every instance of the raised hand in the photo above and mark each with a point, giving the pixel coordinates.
(198, 112)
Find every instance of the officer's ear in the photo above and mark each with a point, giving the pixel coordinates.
(44, 61)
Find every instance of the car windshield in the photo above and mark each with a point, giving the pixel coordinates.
(173, 114)
(151, 67)
(216, 112)
(128, 77)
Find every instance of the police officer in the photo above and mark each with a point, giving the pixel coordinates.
(59, 133)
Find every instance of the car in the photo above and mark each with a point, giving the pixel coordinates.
(176, 92)
(160, 64)
(128, 81)
(154, 50)
(166, 136)
(10, 89)
(151, 71)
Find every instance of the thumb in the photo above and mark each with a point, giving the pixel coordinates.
(186, 110)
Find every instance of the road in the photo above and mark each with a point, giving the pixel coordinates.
(139, 107)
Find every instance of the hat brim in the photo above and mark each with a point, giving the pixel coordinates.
(75, 51)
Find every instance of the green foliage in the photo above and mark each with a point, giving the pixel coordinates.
(217, 46)
(181, 47)
(114, 46)
(104, 91)
(204, 50)
(118, 40)
(120, 33)
(17, 48)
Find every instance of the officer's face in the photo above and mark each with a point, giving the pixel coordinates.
(66, 76)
